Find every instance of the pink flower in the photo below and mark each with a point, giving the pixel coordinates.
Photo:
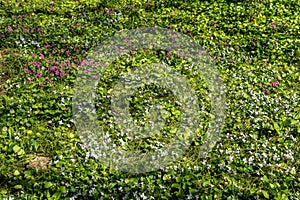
(42, 56)
(47, 46)
(62, 73)
(48, 79)
(9, 28)
(40, 83)
(28, 72)
(274, 84)
(215, 25)
(53, 68)
(38, 75)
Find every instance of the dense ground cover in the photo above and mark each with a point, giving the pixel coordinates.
(256, 48)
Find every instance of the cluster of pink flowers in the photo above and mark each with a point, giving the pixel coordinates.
(273, 84)
(9, 29)
(46, 70)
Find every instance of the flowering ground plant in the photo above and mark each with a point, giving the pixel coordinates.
(255, 48)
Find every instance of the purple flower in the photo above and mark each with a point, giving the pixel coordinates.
(28, 72)
(266, 91)
(40, 83)
(48, 79)
(9, 28)
(47, 46)
(38, 75)
(53, 68)
(274, 84)
(62, 73)
(42, 56)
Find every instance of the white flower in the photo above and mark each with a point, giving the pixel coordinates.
(143, 196)
(21, 38)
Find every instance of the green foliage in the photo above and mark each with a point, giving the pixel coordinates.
(255, 45)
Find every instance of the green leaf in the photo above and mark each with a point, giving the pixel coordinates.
(166, 177)
(48, 184)
(265, 193)
(16, 148)
(175, 185)
(18, 187)
(265, 179)
(276, 127)
(16, 173)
